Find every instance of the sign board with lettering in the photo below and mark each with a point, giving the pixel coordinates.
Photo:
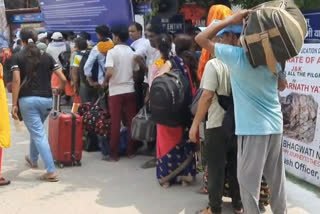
(143, 8)
(175, 24)
(30, 17)
(301, 115)
(313, 22)
(81, 15)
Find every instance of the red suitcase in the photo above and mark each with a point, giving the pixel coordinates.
(65, 136)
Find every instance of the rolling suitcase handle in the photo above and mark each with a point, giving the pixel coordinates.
(56, 103)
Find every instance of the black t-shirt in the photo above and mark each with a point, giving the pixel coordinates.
(40, 84)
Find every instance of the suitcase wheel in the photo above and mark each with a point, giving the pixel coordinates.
(61, 165)
(78, 163)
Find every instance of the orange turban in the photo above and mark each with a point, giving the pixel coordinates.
(217, 12)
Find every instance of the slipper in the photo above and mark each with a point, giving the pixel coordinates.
(203, 191)
(4, 182)
(29, 163)
(132, 156)
(185, 183)
(166, 185)
(150, 164)
(238, 211)
(204, 211)
(109, 159)
(49, 179)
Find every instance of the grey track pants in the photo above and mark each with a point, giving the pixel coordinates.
(257, 156)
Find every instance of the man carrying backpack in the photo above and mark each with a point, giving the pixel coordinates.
(258, 117)
(80, 50)
(60, 51)
(219, 143)
(94, 70)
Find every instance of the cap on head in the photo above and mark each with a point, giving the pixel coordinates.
(57, 36)
(236, 29)
(42, 36)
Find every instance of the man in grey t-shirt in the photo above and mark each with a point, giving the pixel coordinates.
(219, 146)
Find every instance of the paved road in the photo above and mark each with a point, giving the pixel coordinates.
(99, 187)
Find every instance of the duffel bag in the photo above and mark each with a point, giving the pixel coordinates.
(143, 128)
(273, 32)
(95, 118)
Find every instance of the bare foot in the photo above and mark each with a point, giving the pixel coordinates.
(185, 183)
(166, 185)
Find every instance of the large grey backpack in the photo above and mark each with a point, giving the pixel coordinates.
(273, 32)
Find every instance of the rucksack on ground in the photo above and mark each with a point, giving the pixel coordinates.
(273, 32)
(168, 99)
(94, 70)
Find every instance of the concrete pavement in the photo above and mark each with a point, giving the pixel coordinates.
(99, 187)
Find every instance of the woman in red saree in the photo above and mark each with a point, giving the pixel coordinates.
(175, 156)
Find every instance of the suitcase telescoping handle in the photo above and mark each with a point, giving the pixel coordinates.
(56, 103)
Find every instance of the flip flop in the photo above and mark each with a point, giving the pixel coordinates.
(4, 182)
(203, 191)
(132, 156)
(166, 185)
(149, 164)
(109, 159)
(29, 163)
(238, 211)
(49, 179)
(204, 211)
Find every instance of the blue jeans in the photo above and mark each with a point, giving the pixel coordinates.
(34, 111)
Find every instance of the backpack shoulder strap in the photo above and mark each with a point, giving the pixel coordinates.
(192, 86)
(68, 47)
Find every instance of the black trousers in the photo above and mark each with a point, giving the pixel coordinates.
(221, 154)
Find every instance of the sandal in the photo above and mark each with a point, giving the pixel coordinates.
(238, 211)
(206, 211)
(166, 185)
(262, 207)
(185, 183)
(150, 164)
(132, 156)
(4, 182)
(109, 159)
(203, 191)
(47, 178)
(29, 163)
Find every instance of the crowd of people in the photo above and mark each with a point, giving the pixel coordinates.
(240, 157)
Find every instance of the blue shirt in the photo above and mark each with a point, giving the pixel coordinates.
(94, 55)
(255, 93)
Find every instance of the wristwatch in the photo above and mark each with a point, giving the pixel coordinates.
(282, 74)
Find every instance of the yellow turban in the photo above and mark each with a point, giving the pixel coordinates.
(104, 47)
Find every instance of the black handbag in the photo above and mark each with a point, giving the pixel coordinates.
(24, 82)
(143, 128)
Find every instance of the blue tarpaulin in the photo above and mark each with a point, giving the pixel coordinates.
(85, 15)
(3, 41)
(313, 22)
